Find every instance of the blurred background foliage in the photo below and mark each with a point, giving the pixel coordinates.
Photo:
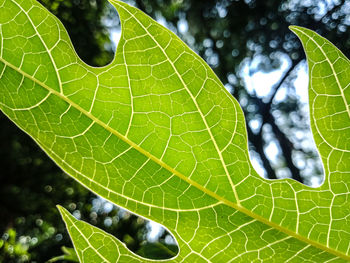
(248, 45)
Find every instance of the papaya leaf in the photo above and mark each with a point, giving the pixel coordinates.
(157, 133)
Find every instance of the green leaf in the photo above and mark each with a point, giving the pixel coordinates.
(68, 254)
(157, 133)
(93, 244)
(157, 250)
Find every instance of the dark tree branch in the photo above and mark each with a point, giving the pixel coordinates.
(286, 145)
(287, 150)
(256, 140)
(278, 85)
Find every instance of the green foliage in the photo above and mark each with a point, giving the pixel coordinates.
(68, 254)
(11, 247)
(157, 133)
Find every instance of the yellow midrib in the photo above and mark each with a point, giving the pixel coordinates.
(175, 172)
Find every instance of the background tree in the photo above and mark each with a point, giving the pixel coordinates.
(239, 39)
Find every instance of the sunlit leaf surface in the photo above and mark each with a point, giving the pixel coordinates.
(157, 133)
